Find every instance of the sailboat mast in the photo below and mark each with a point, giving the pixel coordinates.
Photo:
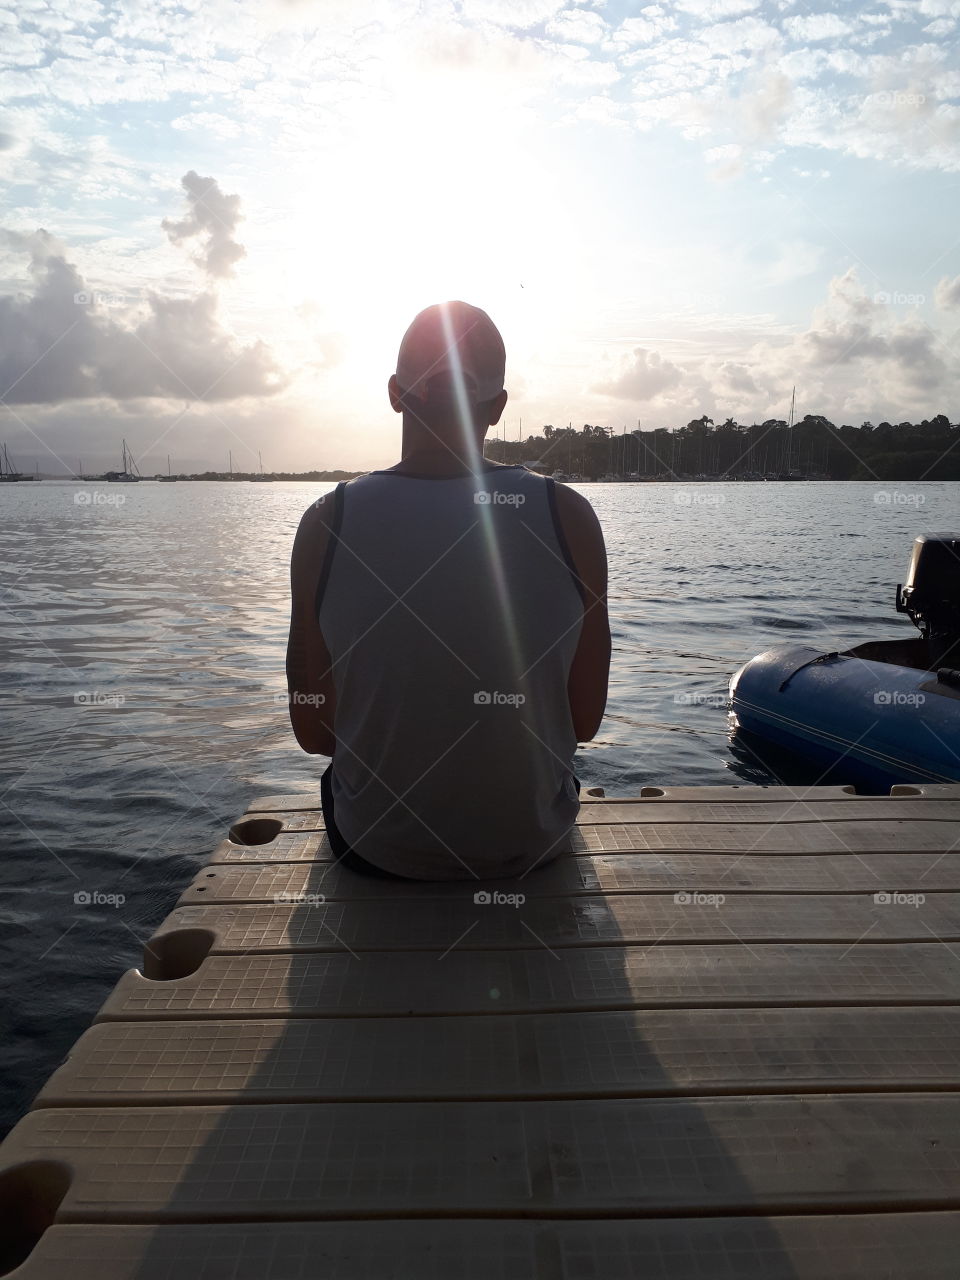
(793, 405)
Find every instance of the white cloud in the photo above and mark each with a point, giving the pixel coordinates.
(64, 340)
(642, 375)
(213, 217)
(751, 34)
(717, 8)
(735, 377)
(818, 26)
(578, 26)
(652, 24)
(859, 355)
(209, 124)
(513, 13)
(948, 293)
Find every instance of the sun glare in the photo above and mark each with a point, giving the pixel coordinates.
(430, 197)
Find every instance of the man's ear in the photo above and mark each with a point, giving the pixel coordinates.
(497, 406)
(393, 390)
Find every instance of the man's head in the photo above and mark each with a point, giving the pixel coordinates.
(450, 371)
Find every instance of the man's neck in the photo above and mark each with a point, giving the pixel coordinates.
(433, 464)
(434, 457)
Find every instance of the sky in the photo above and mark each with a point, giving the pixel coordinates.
(218, 218)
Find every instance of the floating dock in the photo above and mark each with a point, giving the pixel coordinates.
(718, 1041)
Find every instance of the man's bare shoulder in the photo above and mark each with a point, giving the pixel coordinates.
(574, 509)
(313, 533)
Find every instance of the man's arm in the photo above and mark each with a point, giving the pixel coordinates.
(587, 685)
(312, 701)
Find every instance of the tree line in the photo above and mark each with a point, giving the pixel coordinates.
(813, 448)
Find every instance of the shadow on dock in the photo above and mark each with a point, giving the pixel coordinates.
(469, 1106)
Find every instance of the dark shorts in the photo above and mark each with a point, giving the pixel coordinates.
(342, 852)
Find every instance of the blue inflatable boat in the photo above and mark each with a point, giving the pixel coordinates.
(884, 712)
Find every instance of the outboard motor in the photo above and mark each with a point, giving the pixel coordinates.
(931, 595)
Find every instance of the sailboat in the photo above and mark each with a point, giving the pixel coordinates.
(129, 473)
(260, 475)
(168, 478)
(791, 472)
(8, 475)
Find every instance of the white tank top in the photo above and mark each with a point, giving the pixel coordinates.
(451, 610)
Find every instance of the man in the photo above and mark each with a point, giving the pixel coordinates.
(449, 642)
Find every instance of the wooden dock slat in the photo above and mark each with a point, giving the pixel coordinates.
(489, 982)
(311, 800)
(749, 815)
(667, 795)
(691, 813)
(772, 838)
(650, 1053)
(237, 883)
(587, 921)
(882, 1246)
(764, 838)
(597, 1158)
